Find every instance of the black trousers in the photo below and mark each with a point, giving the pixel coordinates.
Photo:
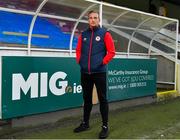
(87, 82)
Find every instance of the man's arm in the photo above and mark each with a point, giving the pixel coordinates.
(78, 49)
(109, 47)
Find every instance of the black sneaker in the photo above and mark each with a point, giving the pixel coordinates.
(82, 127)
(104, 132)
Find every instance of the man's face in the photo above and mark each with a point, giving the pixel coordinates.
(93, 20)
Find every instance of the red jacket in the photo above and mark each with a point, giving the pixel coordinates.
(109, 44)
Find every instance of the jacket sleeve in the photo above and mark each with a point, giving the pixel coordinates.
(109, 47)
(78, 49)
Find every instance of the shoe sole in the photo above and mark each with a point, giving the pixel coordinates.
(100, 137)
(103, 137)
(81, 131)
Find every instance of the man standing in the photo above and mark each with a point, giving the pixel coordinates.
(94, 51)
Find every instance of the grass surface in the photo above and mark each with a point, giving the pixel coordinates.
(160, 120)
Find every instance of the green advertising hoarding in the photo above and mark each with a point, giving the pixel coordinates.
(131, 78)
(32, 85)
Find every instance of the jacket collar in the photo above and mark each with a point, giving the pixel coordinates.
(94, 28)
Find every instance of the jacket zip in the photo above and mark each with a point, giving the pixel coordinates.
(90, 49)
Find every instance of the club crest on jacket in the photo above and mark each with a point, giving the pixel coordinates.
(98, 38)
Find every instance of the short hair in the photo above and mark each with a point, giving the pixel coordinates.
(92, 11)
